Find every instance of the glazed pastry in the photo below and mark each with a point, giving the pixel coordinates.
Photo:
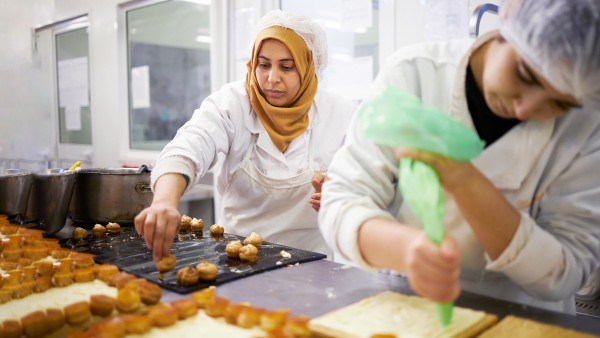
(128, 299)
(60, 253)
(78, 313)
(82, 260)
(63, 265)
(13, 277)
(162, 315)
(55, 319)
(185, 307)
(104, 272)
(5, 295)
(12, 254)
(79, 234)
(233, 249)
(42, 283)
(203, 296)
(188, 276)
(102, 305)
(12, 328)
(248, 253)
(111, 327)
(216, 306)
(113, 228)
(35, 252)
(34, 324)
(62, 279)
(185, 223)
(166, 264)
(137, 324)
(207, 271)
(249, 317)
(254, 239)
(119, 280)
(216, 230)
(272, 320)
(83, 275)
(233, 311)
(197, 225)
(29, 273)
(99, 231)
(150, 293)
(13, 241)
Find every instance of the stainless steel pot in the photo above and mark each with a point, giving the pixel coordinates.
(50, 197)
(15, 185)
(110, 195)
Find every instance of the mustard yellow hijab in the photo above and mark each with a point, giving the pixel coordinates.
(283, 124)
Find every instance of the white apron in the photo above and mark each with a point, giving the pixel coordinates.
(276, 209)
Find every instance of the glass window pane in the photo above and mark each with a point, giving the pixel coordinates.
(352, 28)
(73, 87)
(245, 14)
(168, 47)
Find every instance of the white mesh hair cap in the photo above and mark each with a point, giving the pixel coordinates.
(561, 40)
(309, 31)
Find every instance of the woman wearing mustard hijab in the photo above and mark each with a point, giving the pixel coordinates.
(275, 130)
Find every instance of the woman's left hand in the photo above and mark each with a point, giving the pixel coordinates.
(452, 173)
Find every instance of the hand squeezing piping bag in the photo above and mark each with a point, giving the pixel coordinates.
(396, 119)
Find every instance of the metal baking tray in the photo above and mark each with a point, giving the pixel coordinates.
(128, 251)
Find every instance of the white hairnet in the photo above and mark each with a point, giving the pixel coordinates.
(310, 32)
(561, 40)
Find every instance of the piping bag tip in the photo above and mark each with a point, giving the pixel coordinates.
(444, 312)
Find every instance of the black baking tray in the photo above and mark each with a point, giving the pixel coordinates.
(128, 251)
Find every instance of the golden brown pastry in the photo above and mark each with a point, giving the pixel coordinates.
(128, 299)
(62, 279)
(34, 324)
(5, 295)
(55, 319)
(249, 317)
(233, 249)
(17, 291)
(185, 223)
(13, 241)
(83, 275)
(119, 279)
(254, 239)
(188, 276)
(215, 307)
(12, 254)
(150, 293)
(197, 225)
(23, 262)
(162, 315)
(113, 228)
(166, 264)
(60, 253)
(64, 265)
(112, 327)
(185, 307)
(29, 273)
(44, 267)
(216, 230)
(79, 234)
(7, 265)
(207, 271)
(102, 305)
(82, 260)
(13, 277)
(104, 272)
(298, 326)
(203, 296)
(272, 320)
(77, 313)
(99, 231)
(35, 252)
(137, 324)
(233, 311)
(42, 283)
(248, 253)
(12, 328)
(27, 288)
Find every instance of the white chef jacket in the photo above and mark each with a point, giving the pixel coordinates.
(548, 170)
(224, 124)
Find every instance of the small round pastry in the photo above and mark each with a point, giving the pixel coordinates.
(29, 273)
(55, 319)
(63, 265)
(272, 320)
(216, 230)
(249, 317)
(166, 264)
(99, 231)
(102, 305)
(12, 328)
(298, 326)
(185, 307)
(254, 239)
(105, 271)
(188, 276)
(26, 288)
(248, 253)
(233, 311)
(23, 262)
(7, 265)
(13, 277)
(162, 315)
(203, 296)
(137, 324)
(44, 267)
(113, 228)
(207, 271)
(42, 284)
(197, 225)
(111, 327)
(5, 295)
(13, 241)
(60, 253)
(119, 280)
(62, 279)
(35, 252)
(82, 260)
(128, 299)
(233, 249)
(77, 313)
(150, 293)
(12, 254)
(216, 306)
(185, 223)
(84, 275)
(34, 324)
(79, 234)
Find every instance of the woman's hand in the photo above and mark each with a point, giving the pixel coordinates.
(317, 183)
(433, 271)
(452, 173)
(159, 223)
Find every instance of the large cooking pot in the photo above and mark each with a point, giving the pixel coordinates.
(110, 195)
(15, 185)
(50, 197)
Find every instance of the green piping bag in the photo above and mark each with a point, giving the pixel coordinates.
(396, 119)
